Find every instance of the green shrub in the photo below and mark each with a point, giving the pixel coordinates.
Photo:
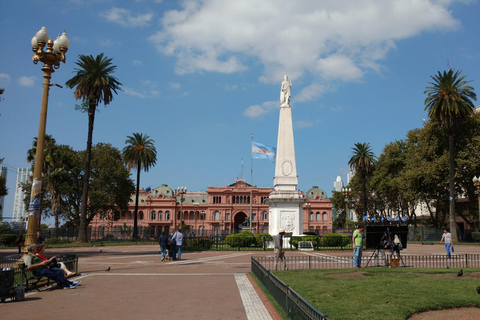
(57, 241)
(9, 240)
(310, 233)
(418, 237)
(335, 240)
(202, 243)
(476, 236)
(261, 238)
(243, 239)
(294, 240)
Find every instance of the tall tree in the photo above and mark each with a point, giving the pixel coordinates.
(94, 84)
(362, 161)
(449, 102)
(139, 153)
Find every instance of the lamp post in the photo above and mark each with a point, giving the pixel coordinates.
(476, 183)
(51, 60)
(346, 193)
(181, 190)
(195, 205)
(202, 217)
(307, 206)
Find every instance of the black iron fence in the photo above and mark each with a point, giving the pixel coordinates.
(338, 262)
(291, 302)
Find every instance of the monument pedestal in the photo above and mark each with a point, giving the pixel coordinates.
(285, 212)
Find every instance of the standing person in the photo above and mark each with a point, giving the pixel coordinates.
(278, 249)
(178, 237)
(447, 237)
(40, 240)
(20, 243)
(162, 240)
(357, 240)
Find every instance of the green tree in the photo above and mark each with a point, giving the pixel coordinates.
(94, 84)
(362, 161)
(139, 153)
(449, 102)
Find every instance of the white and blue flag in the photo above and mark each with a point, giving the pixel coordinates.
(261, 151)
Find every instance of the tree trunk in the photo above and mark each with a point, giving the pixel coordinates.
(453, 225)
(82, 231)
(135, 231)
(364, 192)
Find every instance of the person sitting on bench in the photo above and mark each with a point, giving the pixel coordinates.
(40, 268)
(61, 265)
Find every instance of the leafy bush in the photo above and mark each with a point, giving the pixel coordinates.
(476, 236)
(9, 240)
(335, 240)
(261, 238)
(57, 241)
(202, 243)
(418, 237)
(243, 239)
(294, 240)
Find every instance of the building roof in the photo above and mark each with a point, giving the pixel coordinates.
(315, 193)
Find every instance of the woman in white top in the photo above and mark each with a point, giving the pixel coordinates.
(447, 236)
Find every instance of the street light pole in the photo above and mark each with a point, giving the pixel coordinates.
(195, 205)
(181, 190)
(202, 217)
(476, 183)
(346, 193)
(51, 60)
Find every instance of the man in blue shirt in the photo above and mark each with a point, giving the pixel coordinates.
(178, 237)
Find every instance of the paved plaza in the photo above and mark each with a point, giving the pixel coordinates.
(204, 285)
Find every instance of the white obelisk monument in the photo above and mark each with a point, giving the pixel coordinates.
(285, 202)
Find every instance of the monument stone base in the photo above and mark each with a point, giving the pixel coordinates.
(285, 212)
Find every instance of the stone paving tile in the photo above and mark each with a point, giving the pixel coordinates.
(254, 306)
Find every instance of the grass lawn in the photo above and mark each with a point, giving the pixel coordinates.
(381, 293)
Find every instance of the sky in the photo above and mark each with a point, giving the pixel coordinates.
(200, 77)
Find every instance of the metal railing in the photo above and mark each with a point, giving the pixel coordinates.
(306, 262)
(291, 302)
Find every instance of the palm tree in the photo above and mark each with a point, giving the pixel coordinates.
(139, 153)
(94, 84)
(362, 161)
(449, 101)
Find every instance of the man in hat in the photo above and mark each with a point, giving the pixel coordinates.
(278, 249)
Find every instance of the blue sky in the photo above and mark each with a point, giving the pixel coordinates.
(199, 77)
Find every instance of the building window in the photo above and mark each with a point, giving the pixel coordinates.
(141, 216)
(310, 216)
(264, 216)
(324, 216)
(215, 230)
(264, 229)
(130, 216)
(153, 215)
(159, 215)
(192, 216)
(217, 199)
(254, 217)
(318, 216)
(227, 216)
(167, 215)
(217, 216)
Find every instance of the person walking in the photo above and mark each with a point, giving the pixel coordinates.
(447, 238)
(178, 237)
(20, 242)
(162, 240)
(357, 240)
(278, 249)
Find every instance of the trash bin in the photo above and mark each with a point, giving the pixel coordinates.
(6, 283)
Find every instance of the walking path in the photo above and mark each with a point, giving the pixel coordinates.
(205, 285)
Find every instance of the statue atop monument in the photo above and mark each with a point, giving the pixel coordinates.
(285, 92)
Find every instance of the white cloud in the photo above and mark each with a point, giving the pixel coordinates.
(330, 39)
(133, 92)
(137, 63)
(27, 81)
(126, 18)
(174, 85)
(4, 78)
(311, 92)
(300, 124)
(259, 110)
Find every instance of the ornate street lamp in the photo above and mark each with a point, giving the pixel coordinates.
(181, 190)
(195, 205)
(202, 217)
(476, 183)
(51, 60)
(346, 193)
(307, 206)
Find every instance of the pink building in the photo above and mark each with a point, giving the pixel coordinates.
(220, 210)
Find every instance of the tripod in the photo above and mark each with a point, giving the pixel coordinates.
(385, 243)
